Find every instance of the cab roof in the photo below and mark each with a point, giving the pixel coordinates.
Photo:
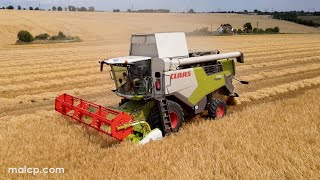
(126, 59)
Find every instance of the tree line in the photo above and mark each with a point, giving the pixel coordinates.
(54, 8)
(145, 10)
(73, 8)
(20, 8)
(293, 16)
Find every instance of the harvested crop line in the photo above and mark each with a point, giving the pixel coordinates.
(291, 61)
(279, 57)
(279, 89)
(50, 83)
(46, 68)
(294, 43)
(270, 53)
(276, 73)
(296, 46)
(271, 82)
(66, 59)
(61, 87)
(53, 75)
(7, 102)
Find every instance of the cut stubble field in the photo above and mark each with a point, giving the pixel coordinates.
(273, 133)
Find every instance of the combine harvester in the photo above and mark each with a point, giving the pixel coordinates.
(160, 83)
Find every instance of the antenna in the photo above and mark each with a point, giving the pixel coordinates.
(131, 5)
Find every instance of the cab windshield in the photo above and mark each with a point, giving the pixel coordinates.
(133, 79)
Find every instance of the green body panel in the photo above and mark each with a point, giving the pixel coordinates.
(137, 97)
(209, 84)
(228, 67)
(138, 109)
(206, 84)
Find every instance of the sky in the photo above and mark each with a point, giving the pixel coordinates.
(176, 5)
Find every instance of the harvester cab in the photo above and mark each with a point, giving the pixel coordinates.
(160, 83)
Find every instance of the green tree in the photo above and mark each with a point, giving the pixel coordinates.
(247, 26)
(10, 7)
(277, 29)
(54, 8)
(91, 8)
(60, 8)
(191, 11)
(72, 8)
(60, 34)
(269, 30)
(44, 36)
(30, 8)
(19, 7)
(239, 31)
(84, 9)
(261, 31)
(25, 36)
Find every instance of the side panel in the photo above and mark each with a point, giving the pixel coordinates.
(183, 82)
(157, 66)
(206, 84)
(228, 67)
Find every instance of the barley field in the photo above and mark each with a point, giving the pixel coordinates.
(273, 132)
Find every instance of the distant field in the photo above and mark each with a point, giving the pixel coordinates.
(116, 27)
(273, 134)
(315, 19)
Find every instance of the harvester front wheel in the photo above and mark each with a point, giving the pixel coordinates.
(176, 115)
(217, 108)
(154, 118)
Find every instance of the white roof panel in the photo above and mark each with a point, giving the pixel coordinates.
(171, 45)
(126, 59)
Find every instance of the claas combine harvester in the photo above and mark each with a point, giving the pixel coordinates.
(160, 83)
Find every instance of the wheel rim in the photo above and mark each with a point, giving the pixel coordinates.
(174, 119)
(220, 111)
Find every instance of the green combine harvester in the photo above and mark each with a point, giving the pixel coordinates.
(160, 83)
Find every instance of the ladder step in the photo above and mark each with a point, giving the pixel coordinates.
(166, 123)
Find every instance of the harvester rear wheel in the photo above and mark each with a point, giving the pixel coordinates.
(217, 108)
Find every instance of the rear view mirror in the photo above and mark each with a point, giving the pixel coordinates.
(101, 65)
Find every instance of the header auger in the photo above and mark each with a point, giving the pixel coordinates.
(160, 83)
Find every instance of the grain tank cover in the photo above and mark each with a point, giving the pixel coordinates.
(159, 45)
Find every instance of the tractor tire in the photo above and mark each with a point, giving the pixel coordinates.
(217, 108)
(154, 118)
(175, 113)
